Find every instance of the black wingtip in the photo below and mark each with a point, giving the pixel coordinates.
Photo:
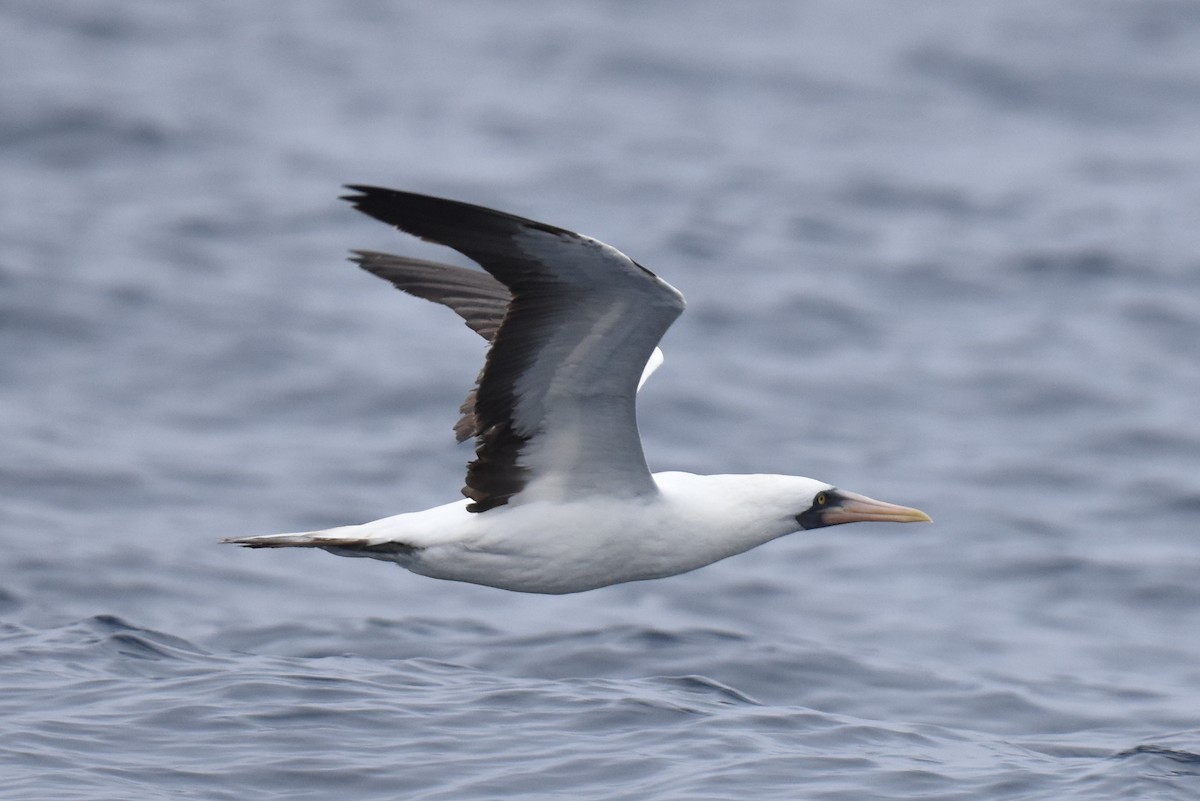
(362, 191)
(439, 219)
(404, 210)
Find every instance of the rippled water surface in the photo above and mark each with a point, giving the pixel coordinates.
(941, 253)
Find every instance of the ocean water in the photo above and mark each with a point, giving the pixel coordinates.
(941, 253)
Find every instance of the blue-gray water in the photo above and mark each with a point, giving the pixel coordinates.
(942, 253)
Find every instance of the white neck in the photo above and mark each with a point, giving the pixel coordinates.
(729, 514)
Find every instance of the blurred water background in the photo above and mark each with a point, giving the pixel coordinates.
(943, 253)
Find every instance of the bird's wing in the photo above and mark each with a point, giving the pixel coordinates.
(554, 408)
(480, 300)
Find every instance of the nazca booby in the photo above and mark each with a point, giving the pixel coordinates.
(559, 498)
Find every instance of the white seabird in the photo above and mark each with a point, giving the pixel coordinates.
(559, 498)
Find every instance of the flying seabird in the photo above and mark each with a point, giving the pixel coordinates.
(559, 498)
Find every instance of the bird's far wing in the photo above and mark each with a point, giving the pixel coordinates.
(480, 300)
(554, 409)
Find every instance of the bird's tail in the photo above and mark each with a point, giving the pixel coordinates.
(303, 539)
(337, 539)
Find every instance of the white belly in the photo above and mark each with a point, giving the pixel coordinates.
(544, 548)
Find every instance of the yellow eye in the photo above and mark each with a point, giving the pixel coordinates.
(820, 501)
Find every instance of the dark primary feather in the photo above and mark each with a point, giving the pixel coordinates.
(564, 365)
(475, 296)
